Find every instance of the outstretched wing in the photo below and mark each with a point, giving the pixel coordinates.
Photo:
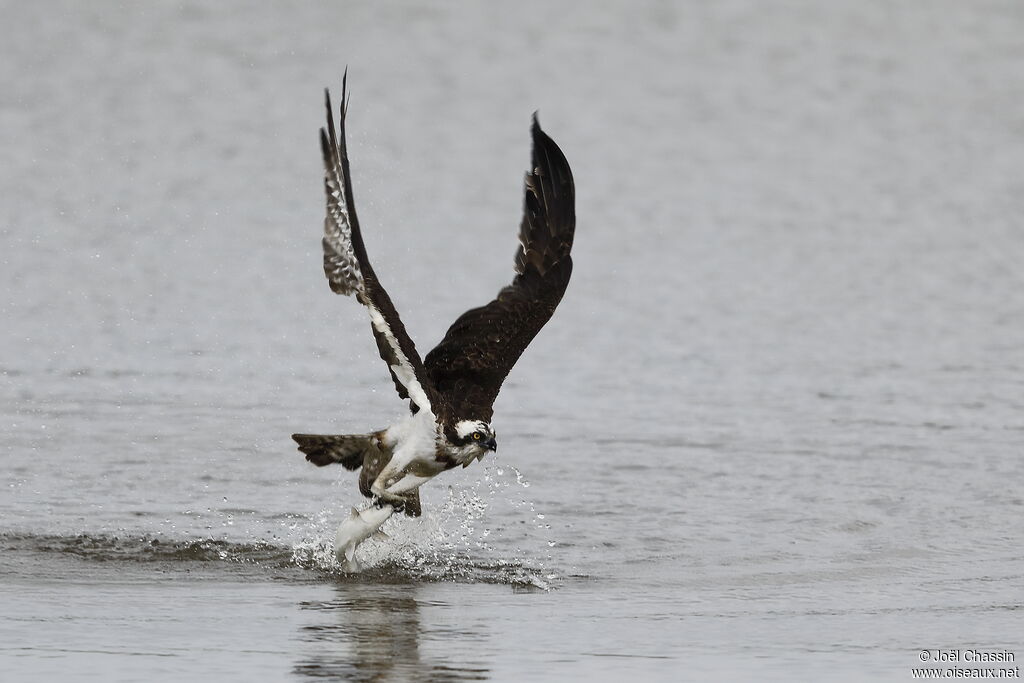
(349, 271)
(469, 365)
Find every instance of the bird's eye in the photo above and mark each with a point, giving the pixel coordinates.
(476, 436)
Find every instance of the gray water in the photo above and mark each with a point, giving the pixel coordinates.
(773, 432)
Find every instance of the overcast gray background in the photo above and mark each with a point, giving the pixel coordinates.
(773, 430)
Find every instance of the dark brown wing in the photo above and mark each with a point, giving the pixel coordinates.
(469, 365)
(349, 271)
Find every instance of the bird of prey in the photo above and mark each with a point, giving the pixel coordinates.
(452, 390)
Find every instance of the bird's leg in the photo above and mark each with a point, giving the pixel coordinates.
(410, 482)
(395, 480)
(380, 489)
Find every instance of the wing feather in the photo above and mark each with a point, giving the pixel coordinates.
(470, 364)
(349, 271)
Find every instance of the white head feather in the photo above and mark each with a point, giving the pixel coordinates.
(465, 428)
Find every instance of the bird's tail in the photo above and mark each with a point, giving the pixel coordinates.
(323, 449)
(354, 451)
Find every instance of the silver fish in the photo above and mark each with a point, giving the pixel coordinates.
(359, 526)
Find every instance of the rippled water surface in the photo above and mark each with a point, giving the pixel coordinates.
(773, 431)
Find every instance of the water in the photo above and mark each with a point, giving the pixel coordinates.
(772, 432)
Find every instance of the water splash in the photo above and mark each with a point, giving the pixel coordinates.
(458, 540)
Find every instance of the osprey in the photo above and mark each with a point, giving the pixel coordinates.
(452, 390)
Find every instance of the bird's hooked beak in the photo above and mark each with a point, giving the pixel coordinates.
(490, 445)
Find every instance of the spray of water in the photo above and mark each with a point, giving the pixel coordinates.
(458, 540)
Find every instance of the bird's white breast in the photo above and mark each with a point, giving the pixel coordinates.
(414, 437)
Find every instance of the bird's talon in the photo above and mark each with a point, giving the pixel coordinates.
(382, 496)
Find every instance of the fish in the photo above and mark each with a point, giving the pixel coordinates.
(359, 526)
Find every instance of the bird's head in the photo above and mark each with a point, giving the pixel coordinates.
(471, 439)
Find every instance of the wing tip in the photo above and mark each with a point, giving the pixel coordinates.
(345, 95)
(549, 219)
(546, 150)
(342, 110)
(541, 140)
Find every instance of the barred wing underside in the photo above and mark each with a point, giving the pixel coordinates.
(349, 271)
